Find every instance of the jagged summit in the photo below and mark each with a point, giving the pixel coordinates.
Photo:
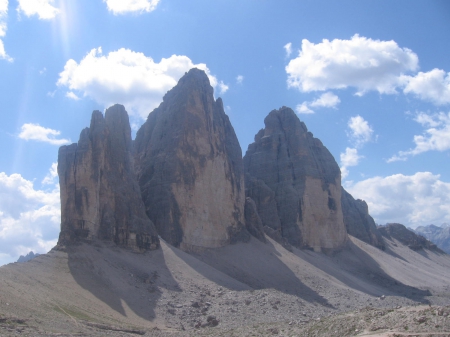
(296, 183)
(189, 167)
(100, 196)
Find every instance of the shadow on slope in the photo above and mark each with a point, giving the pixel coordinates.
(119, 277)
(358, 270)
(257, 265)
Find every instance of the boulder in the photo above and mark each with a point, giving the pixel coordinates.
(358, 221)
(291, 173)
(100, 196)
(189, 168)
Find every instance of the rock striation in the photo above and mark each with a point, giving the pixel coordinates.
(358, 221)
(295, 183)
(189, 168)
(407, 237)
(100, 196)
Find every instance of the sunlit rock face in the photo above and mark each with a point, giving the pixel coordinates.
(295, 183)
(189, 167)
(100, 195)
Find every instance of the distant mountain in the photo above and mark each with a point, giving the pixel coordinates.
(440, 235)
(407, 236)
(27, 257)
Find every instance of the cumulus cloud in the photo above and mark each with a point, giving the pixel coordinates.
(3, 27)
(29, 218)
(30, 131)
(326, 100)
(223, 88)
(349, 158)
(72, 95)
(288, 48)
(44, 9)
(127, 77)
(360, 62)
(436, 136)
(433, 86)
(239, 79)
(360, 131)
(128, 6)
(414, 200)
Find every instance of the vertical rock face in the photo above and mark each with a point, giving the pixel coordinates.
(100, 196)
(358, 221)
(295, 183)
(189, 167)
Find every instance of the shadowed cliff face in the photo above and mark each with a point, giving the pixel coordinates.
(189, 167)
(100, 197)
(358, 221)
(295, 183)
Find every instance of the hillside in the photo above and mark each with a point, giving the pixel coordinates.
(247, 287)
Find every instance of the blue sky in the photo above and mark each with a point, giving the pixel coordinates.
(369, 78)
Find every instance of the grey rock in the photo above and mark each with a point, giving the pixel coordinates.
(288, 168)
(100, 196)
(27, 257)
(407, 237)
(189, 167)
(358, 221)
(439, 235)
(253, 222)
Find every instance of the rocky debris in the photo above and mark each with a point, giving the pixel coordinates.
(27, 257)
(358, 221)
(439, 235)
(407, 237)
(253, 222)
(295, 183)
(100, 196)
(189, 167)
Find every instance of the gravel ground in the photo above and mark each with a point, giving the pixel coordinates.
(252, 289)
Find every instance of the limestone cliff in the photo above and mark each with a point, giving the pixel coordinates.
(100, 196)
(407, 237)
(358, 221)
(295, 183)
(189, 167)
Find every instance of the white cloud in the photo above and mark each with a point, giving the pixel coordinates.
(128, 77)
(419, 199)
(127, 6)
(326, 100)
(51, 175)
(360, 131)
(303, 108)
(3, 27)
(360, 62)
(41, 8)
(32, 131)
(72, 95)
(436, 136)
(223, 88)
(288, 48)
(432, 86)
(239, 79)
(29, 218)
(349, 158)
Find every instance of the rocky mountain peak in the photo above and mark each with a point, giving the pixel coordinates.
(100, 197)
(295, 183)
(189, 167)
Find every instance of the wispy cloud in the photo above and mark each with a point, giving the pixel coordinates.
(239, 79)
(36, 132)
(288, 49)
(326, 100)
(436, 136)
(130, 6)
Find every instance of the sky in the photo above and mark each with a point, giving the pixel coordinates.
(370, 79)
